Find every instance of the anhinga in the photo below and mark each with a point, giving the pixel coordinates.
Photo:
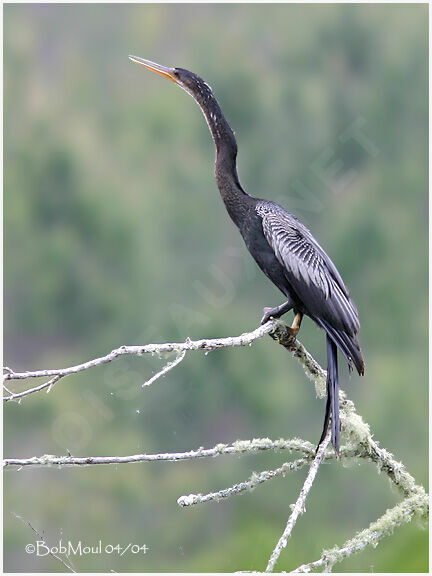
(283, 248)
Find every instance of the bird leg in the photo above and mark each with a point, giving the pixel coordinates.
(295, 326)
(276, 312)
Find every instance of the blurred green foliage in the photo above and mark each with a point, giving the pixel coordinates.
(114, 233)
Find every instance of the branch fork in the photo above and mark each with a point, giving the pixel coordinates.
(359, 443)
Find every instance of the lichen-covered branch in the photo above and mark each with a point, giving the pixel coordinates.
(357, 439)
(387, 463)
(238, 447)
(299, 506)
(241, 487)
(312, 369)
(402, 513)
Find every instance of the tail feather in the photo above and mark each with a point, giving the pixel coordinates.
(348, 345)
(326, 416)
(332, 404)
(333, 386)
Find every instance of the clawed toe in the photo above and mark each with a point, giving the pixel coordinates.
(267, 315)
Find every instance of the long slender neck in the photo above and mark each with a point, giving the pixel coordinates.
(227, 179)
(223, 137)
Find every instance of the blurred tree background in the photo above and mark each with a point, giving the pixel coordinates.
(114, 233)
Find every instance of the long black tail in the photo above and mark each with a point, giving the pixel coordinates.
(350, 348)
(332, 405)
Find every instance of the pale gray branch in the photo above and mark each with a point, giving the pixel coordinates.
(254, 480)
(18, 395)
(395, 470)
(238, 447)
(165, 369)
(356, 436)
(299, 506)
(158, 349)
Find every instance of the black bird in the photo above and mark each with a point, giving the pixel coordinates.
(283, 248)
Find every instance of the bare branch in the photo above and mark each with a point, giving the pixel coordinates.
(165, 369)
(158, 349)
(19, 395)
(299, 506)
(276, 328)
(51, 553)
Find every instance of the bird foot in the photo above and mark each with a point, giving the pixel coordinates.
(272, 313)
(268, 313)
(276, 312)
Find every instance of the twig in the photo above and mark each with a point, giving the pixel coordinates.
(299, 506)
(241, 487)
(8, 391)
(179, 347)
(51, 553)
(19, 395)
(166, 369)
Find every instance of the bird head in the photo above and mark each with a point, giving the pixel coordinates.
(184, 78)
(201, 92)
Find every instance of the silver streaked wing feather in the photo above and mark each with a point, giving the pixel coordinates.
(308, 267)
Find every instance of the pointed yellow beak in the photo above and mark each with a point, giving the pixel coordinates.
(162, 70)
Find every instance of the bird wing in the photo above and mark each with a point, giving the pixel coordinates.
(309, 271)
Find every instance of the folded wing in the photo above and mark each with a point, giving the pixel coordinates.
(310, 272)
